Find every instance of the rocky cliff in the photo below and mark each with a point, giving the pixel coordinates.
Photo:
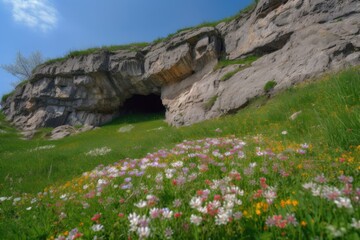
(293, 40)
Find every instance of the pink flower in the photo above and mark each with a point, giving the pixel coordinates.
(96, 217)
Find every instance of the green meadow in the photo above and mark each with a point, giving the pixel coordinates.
(255, 174)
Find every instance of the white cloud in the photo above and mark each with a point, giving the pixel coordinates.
(34, 13)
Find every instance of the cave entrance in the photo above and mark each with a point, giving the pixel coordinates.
(143, 104)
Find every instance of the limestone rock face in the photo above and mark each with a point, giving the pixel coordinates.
(295, 40)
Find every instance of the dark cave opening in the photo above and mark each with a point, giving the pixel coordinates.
(143, 104)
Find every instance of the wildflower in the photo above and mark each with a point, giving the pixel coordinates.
(143, 232)
(62, 216)
(303, 223)
(241, 154)
(263, 184)
(134, 220)
(346, 179)
(155, 213)
(169, 173)
(218, 130)
(270, 195)
(177, 164)
(195, 202)
(177, 203)
(320, 178)
(301, 151)
(237, 215)
(304, 145)
(291, 219)
(96, 217)
(168, 233)
(195, 219)
(334, 232)
(222, 218)
(97, 227)
(98, 152)
(343, 202)
(355, 223)
(141, 204)
(166, 213)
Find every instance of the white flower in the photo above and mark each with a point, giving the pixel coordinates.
(222, 218)
(355, 223)
(309, 185)
(169, 173)
(3, 199)
(177, 164)
(235, 190)
(134, 220)
(270, 195)
(141, 204)
(42, 148)
(304, 145)
(336, 232)
(98, 152)
(343, 202)
(195, 202)
(29, 208)
(166, 213)
(195, 219)
(202, 209)
(143, 232)
(284, 132)
(97, 227)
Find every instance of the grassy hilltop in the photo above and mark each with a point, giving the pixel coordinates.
(256, 174)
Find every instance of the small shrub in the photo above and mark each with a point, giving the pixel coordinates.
(229, 74)
(269, 86)
(247, 61)
(112, 48)
(6, 96)
(210, 103)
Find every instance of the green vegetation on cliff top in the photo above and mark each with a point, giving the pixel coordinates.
(138, 46)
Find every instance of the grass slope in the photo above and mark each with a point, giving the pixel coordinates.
(266, 176)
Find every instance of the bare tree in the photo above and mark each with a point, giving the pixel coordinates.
(23, 66)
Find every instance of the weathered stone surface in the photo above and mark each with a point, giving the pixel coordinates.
(296, 39)
(62, 131)
(318, 41)
(68, 130)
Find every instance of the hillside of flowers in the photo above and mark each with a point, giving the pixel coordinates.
(213, 188)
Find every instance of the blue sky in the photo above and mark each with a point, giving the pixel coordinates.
(54, 27)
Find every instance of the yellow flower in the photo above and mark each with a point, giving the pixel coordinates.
(66, 233)
(258, 212)
(303, 223)
(295, 203)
